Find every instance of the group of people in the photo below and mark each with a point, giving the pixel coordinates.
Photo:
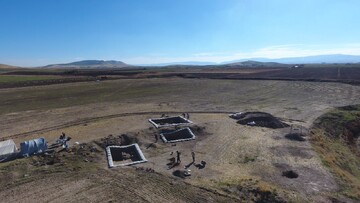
(176, 161)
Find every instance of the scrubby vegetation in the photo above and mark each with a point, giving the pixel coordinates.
(335, 137)
(249, 189)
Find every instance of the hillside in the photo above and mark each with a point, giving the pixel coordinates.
(4, 66)
(258, 64)
(335, 136)
(90, 64)
(316, 59)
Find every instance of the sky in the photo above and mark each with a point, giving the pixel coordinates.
(41, 32)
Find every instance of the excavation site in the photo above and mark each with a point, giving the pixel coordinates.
(106, 144)
(169, 121)
(124, 155)
(184, 134)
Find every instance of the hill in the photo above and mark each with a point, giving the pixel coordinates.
(274, 62)
(4, 66)
(90, 64)
(185, 63)
(258, 64)
(332, 58)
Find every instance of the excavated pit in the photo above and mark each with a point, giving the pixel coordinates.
(169, 121)
(124, 155)
(295, 137)
(260, 119)
(290, 174)
(297, 133)
(180, 135)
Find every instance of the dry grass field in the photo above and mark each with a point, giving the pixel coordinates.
(244, 163)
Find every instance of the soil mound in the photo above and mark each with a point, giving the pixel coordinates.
(120, 140)
(260, 119)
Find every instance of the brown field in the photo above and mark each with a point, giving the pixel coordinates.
(349, 74)
(244, 163)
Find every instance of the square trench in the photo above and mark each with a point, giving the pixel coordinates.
(184, 134)
(124, 155)
(169, 121)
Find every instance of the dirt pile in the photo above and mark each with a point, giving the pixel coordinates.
(46, 159)
(116, 140)
(84, 152)
(260, 119)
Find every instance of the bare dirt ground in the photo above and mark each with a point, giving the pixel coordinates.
(235, 154)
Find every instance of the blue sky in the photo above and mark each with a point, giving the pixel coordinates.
(40, 32)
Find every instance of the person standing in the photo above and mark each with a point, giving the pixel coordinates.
(193, 156)
(178, 157)
(156, 137)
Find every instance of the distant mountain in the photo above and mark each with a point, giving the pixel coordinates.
(334, 58)
(186, 63)
(249, 62)
(257, 64)
(4, 66)
(90, 64)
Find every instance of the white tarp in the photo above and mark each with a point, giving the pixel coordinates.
(7, 147)
(35, 146)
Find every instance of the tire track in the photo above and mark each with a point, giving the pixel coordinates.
(94, 119)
